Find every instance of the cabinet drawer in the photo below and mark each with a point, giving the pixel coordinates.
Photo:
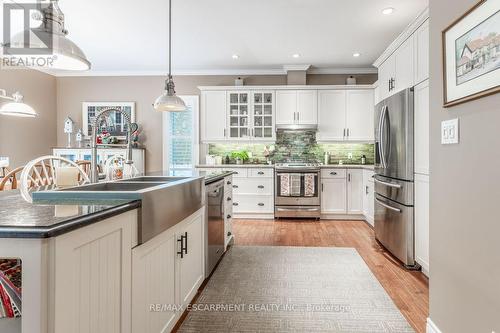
(261, 172)
(238, 172)
(253, 204)
(253, 186)
(333, 173)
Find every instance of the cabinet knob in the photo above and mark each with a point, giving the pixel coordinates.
(235, 204)
(229, 199)
(235, 186)
(260, 186)
(228, 216)
(260, 204)
(228, 182)
(260, 173)
(333, 173)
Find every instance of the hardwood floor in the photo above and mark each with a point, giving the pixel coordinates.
(409, 290)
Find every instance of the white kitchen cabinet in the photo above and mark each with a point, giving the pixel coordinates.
(161, 276)
(333, 196)
(296, 107)
(92, 267)
(421, 50)
(360, 115)
(386, 73)
(191, 265)
(345, 115)
(331, 115)
(239, 124)
(422, 222)
(263, 115)
(368, 196)
(421, 97)
(376, 93)
(403, 62)
(213, 116)
(354, 191)
(228, 210)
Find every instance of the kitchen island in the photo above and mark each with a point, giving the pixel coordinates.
(86, 269)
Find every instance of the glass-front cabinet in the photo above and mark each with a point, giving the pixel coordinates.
(251, 115)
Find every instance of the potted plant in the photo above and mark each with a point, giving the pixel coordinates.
(240, 156)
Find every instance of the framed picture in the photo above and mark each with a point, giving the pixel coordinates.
(115, 123)
(471, 54)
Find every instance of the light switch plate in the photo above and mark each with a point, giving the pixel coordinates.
(449, 132)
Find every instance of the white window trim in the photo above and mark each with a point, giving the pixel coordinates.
(194, 101)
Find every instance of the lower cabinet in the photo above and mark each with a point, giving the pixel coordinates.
(354, 191)
(333, 196)
(422, 222)
(167, 272)
(228, 210)
(368, 196)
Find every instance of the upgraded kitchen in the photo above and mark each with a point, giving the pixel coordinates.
(244, 167)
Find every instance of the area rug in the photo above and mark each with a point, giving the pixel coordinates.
(293, 289)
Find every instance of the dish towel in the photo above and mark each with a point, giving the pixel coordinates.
(285, 184)
(295, 180)
(309, 184)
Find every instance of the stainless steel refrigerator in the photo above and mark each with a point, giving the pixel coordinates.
(394, 175)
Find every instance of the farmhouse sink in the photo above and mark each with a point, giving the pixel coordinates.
(155, 179)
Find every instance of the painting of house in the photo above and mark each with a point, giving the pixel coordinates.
(478, 51)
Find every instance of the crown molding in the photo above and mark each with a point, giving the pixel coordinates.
(288, 68)
(407, 32)
(366, 70)
(289, 87)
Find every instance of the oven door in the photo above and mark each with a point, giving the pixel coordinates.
(302, 199)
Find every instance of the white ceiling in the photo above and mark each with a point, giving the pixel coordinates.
(131, 36)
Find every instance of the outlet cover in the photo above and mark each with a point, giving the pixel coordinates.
(450, 132)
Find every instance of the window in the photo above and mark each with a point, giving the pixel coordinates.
(180, 143)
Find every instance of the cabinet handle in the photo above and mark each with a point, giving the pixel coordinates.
(235, 186)
(228, 216)
(344, 133)
(186, 243)
(228, 182)
(348, 133)
(260, 204)
(183, 240)
(333, 173)
(260, 173)
(348, 177)
(366, 190)
(322, 187)
(224, 132)
(235, 204)
(228, 198)
(260, 186)
(389, 84)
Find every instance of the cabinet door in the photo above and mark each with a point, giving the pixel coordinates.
(213, 116)
(422, 128)
(376, 94)
(263, 115)
(191, 268)
(385, 74)
(422, 222)
(153, 282)
(286, 107)
(360, 115)
(331, 115)
(355, 191)
(93, 272)
(368, 196)
(421, 42)
(239, 115)
(403, 62)
(333, 196)
(307, 107)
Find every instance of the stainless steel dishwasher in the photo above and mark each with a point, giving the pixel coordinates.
(214, 225)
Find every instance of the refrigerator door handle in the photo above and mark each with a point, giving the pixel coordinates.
(388, 206)
(380, 137)
(386, 183)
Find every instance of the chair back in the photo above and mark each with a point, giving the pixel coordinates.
(42, 172)
(9, 181)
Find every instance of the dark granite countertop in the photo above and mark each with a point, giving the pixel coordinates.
(20, 219)
(210, 176)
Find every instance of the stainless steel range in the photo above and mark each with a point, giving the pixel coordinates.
(297, 192)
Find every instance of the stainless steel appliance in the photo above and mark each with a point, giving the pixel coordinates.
(214, 226)
(300, 196)
(394, 167)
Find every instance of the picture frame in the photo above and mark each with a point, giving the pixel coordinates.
(471, 54)
(118, 130)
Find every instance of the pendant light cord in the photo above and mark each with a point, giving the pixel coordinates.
(169, 39)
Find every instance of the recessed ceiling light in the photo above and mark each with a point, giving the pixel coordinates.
(388, 11)
(357, 54)
(296, 55)
(235, 56)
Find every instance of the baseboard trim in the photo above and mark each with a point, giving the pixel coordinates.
(347, 217)
(431, 327)
(253, 216)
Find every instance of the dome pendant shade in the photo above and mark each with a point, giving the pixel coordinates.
(17, 109)
(169, 101)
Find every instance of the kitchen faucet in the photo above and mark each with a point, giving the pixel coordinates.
(94, 176)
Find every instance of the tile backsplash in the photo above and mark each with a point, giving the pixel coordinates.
(295, 145)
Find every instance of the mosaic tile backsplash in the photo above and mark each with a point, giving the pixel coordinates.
(299, 146)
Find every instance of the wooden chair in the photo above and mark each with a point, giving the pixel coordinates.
(86, 167)
(10, 179)
(42, 172)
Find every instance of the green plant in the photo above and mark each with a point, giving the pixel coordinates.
(242, 154)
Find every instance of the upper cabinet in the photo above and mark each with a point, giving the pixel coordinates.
(213, 116)
(346, 115)
(239, 117)
(296, 107)
(263, 115)
(405, 63)
(421, 50)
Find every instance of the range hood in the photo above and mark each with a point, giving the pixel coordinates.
(298, 127)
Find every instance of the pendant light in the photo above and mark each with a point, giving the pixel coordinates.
(16, 107)
(65, 54)
(168, 101)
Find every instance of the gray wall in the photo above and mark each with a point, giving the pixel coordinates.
(465, 195)
(72, 91)
(23, 139)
